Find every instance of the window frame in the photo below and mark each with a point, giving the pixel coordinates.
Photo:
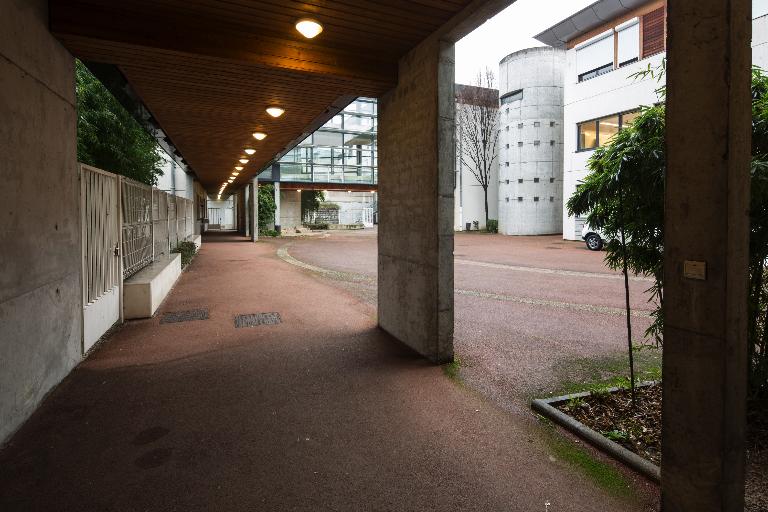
(596, 121)
(512, 95)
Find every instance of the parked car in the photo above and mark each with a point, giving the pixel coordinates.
(592, 237)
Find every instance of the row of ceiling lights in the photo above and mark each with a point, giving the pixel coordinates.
(308, 28)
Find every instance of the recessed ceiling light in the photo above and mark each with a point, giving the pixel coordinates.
(243, 160)
(309, 28)
(250, 151)
(259, 135)
(235, 173)
(218, 198)
(275, 111)
(230, 180)
(298, 190)
(239, 168)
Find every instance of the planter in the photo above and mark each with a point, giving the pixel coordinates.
(546, 407)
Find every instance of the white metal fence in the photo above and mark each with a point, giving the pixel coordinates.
(101, 232)
(137, 226)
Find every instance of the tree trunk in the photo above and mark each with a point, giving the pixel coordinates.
(485, 193)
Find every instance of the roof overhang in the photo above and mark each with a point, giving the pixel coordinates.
(586, 20)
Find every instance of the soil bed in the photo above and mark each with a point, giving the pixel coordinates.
(612, 415)
(639, 430)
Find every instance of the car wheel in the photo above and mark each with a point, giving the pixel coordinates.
(594, 242)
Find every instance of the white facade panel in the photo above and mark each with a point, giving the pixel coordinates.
(596, 54)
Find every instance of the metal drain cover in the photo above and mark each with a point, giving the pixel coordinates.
(184, 316)
(255, 319)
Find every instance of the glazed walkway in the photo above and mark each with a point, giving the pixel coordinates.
(320, 412)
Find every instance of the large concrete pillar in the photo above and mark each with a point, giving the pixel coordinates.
(416, 165)
(277, 206)
(253, 208)
(41, 298)
(706, 248)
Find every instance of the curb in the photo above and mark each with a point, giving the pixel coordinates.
(644, 467)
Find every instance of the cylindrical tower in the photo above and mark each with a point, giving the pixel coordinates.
(531, 142)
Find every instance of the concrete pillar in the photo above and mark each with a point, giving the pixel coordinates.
(41, 298)
(277, 206)
(253, 208)
(416, 164)
(706, 248)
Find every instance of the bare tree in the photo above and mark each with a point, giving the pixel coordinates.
(477, 117)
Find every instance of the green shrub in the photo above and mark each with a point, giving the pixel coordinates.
(317, 227)
(187, 250)
(268, 232)
(329, 206)
(492, 226)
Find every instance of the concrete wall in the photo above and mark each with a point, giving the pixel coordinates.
(290, 209)
(760, 42)
(530, 197)
(40, 265)
(416, 164)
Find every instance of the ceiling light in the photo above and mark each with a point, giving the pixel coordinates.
(231, 180)
(218, 198)
(243, 160)
(275, 111)
(309, 28)
(235, 173)
(259, 135)
(239, 168)
(298, 190)
(250, 151)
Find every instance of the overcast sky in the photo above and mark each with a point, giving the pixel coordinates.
(510, 30)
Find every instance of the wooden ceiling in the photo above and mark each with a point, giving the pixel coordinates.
(207, 69)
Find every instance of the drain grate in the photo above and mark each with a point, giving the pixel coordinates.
(184, 316)
(255, 319)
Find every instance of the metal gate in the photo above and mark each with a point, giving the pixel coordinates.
(100, 222)
(137, 226)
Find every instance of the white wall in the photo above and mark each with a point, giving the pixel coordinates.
(351, 205)
(226, 212)
(469, 199)
(174, 180)
(615, 92)
(602, 96)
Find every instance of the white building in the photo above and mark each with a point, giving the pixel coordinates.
(531, 142)
(606, 44)
(174, 180)
(469, 197)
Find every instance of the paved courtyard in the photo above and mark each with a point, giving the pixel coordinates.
(533, 314)
(324, 411)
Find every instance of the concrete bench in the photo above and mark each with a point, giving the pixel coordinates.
(145, 291)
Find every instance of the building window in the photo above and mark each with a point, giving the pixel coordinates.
(507, 182)
(506, 164)
(520, 126)
(507, 199)
(507, 146)
(536, 124)
(551, 180)
(519, 198)
(594, 73)
(551, 124)
(551, 143)
(536, 142)
(599, 132)
(551, 199)
(520, 144)
(506, 128)
(535, 180)
(536, 199)
(622, 45)
(512, 97)
(628, 42)
(520, 180)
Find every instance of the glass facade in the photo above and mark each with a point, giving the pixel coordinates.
(342, 151)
